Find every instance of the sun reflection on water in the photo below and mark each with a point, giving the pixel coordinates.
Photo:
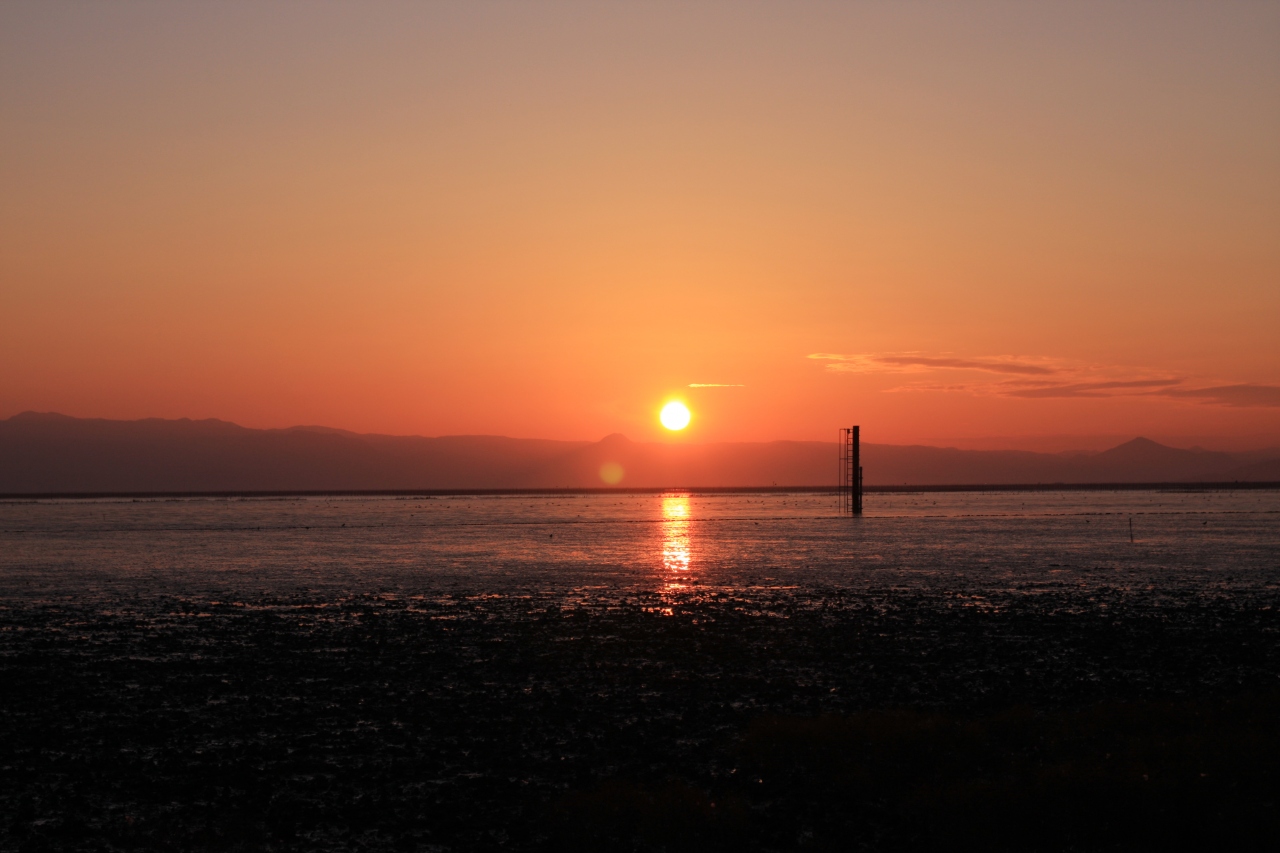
(675, 533)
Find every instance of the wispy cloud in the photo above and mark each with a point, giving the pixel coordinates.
(713, 385)
(1229, 395)
(901, 389)
(1090, 389)
(1045, 378)
(914, 362)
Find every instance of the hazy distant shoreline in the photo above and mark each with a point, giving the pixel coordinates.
(49, 454)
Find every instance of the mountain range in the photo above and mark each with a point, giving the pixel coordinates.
(45, 453)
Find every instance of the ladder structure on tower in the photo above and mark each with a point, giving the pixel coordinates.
(850, 472)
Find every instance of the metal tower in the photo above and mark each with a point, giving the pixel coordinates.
(850, 472)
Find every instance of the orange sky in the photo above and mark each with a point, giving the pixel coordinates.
(1039, 222)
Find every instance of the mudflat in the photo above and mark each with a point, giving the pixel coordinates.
(641, 672)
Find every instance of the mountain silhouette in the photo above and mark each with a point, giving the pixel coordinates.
(43, 453)
(1144, 459)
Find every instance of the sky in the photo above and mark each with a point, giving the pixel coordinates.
(1044, 225)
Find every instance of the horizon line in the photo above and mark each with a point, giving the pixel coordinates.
(1172, 485)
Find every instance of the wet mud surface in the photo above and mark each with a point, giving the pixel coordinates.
(508, 722)
(1000, 672)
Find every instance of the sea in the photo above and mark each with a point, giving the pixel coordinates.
(1048, 670)
(596, 547)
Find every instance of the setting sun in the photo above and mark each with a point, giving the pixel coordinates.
(674, 416)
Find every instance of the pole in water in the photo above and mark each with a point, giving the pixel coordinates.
(1131, 528)
(850, 479)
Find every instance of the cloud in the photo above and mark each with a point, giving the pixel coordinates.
(1045, 378)
(988, 365)
(1089, 389)
(713, 385)
(1229, 395)
(912, 362)
(924, 387)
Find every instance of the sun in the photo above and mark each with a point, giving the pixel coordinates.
(675, 416)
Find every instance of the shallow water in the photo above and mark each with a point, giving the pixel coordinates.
(506, 672)
(603, 546)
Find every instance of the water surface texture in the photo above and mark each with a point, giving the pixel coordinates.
(674, 543)
(641, 671)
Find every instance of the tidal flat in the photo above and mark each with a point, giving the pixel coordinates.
(642, 672)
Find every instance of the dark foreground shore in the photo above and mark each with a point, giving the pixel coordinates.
(828, 720)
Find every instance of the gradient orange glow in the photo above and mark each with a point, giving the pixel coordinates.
(954, 223)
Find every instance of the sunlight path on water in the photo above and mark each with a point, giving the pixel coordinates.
(963, 541)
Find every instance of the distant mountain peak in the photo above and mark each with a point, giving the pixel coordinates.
(37, 417)
(323, 430)
(1145, 460)
(1140, 448)
(1142, 442)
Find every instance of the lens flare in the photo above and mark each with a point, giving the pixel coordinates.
(674, 416)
